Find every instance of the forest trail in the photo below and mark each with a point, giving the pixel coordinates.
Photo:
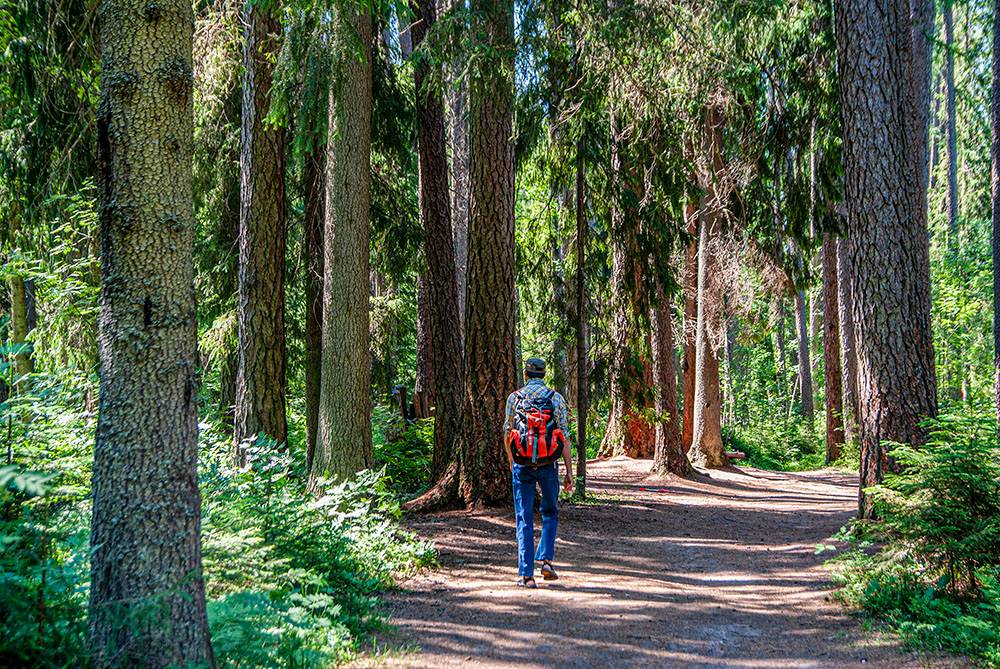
(717, 572)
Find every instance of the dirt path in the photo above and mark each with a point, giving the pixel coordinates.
(719, 572)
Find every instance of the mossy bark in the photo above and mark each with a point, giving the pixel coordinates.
(147, 597)
(344, 446)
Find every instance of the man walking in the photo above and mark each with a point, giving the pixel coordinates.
(536, 428)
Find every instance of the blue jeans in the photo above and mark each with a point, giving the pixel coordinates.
(524, 479)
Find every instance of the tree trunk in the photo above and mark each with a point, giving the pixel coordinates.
(489, 323)
(950, 131)
(344, 446)
(582, 362)
(889, 246)
(260, 371)
(669, 456)
(995, 192)
(922, 38)
(439, 249)
(690, 322)
(779, 347)
(23, 363)
(805, 370)
(831, 351)
(848, 342)
(627, 432)
(424, 383)
(313, 176)
(707, 449)
(458, 141)
(145, 559)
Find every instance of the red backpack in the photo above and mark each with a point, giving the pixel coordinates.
(535, 436)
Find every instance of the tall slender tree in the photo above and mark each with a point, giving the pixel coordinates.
(950, 129)
(690, 322)
(669, 456)
(314, 198)
(260, 371)
(145, 544)
(439, 250)
(707, 449)
(922, 14)
(995, 200)
(805, 368)
(889, 245)
(831, 351)
(581, 330)
(344, 444)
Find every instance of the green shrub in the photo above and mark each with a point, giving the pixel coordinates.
(784, 446)
(930, 566)
(404, 450)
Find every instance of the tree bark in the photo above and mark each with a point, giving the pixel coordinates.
(582, 361)
(489, 323)
(260, 371)
(707, 449)
(848, 342)
(344, 446)
(950, 131)
(690, 322)
(627, 432)
(23, 362)
(424, 382)
(995, 201)
(458, 141)
(805, 369)
(669, 456)
(313, 176)
(831, 351)
(439, 248)
(922, 38)
(889, 246)
(145, 560)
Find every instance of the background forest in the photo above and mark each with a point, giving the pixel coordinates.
(308, 244)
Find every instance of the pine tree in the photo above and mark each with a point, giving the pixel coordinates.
(147, 596)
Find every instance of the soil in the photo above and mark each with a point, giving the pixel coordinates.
(718, 571)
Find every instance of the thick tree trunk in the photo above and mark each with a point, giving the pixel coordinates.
(995, 192)
(144, 542)
(669, 456)
(582, 361)
(313, 176)
(707, 449)
(441, 284)
(889, 246)
(848, 342)
(831, 351)
(489, 323)
(805, 369)
(344, 446)
(260, 371)
(950, 130)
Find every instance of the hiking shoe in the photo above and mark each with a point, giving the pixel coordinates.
(548, 573)
(527, 582)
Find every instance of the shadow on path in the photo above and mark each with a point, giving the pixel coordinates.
(716, 572)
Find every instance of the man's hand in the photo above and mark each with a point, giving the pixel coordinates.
(568, 482)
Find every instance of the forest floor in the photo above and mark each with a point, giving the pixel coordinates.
(720, 571)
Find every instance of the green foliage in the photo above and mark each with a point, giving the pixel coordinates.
(790, 445)
(930, 567)
(403, 449)
(292, 578)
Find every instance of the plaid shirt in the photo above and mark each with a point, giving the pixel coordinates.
(536, 388)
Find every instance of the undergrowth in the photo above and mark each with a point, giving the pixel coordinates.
(930, 567)
(292, 579)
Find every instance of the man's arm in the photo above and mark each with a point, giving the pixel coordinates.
(508, 414)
